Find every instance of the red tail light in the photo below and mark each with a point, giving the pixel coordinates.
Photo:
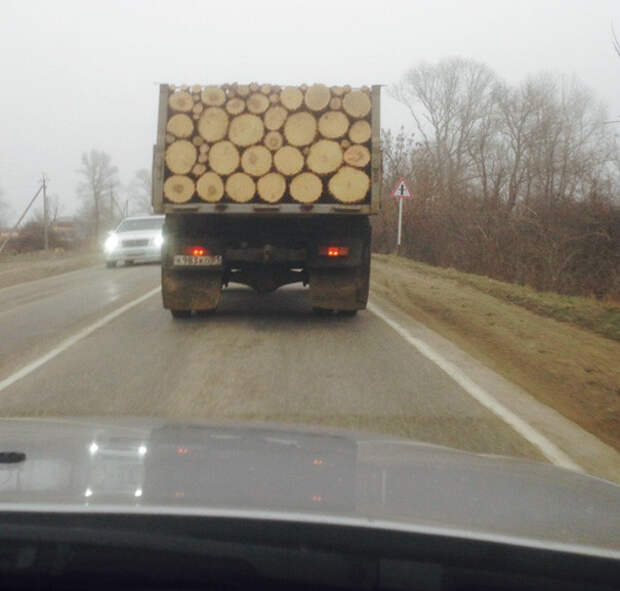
(196, 251)
(334, 251)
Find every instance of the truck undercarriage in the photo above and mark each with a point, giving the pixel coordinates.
(203, 253)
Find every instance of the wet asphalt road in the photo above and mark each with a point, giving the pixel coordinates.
(259, 358)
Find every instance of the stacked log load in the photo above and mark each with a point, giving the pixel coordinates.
(242, 143)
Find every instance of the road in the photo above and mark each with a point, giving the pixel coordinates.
(68, 348)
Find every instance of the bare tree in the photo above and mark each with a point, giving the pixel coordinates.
(520, 183)
(139, 192)
(450, 103)
(97, 189)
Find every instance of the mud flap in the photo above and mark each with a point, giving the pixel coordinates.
(337, 289)
(183, 290)
(343, 289)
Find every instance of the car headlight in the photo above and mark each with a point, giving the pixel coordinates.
(111, 242)
(158, 241)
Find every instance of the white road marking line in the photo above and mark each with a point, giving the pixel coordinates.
(67, 343)
(551, 451)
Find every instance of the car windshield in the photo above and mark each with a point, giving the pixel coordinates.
(332, 225)
(153, 223)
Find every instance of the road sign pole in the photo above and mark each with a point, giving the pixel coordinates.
(400, 223)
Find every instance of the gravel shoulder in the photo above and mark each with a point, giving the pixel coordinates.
(20, 268)
(564, 365)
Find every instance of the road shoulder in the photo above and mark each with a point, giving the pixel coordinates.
(543, 363)
(18, 269)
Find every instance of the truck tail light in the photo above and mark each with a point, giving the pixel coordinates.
(334, 251)
(196, 251)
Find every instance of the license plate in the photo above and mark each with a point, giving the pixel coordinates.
(182, 260)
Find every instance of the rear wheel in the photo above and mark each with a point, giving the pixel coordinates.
(181, 313)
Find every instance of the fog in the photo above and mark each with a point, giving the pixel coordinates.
(82, 75)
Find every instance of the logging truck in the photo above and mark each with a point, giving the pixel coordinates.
(266, 185)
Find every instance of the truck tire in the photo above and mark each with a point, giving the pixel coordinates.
(181, 313)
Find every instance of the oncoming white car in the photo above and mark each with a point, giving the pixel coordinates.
(135, 239)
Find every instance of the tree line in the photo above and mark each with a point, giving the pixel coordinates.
(520, 183)
(104, 201)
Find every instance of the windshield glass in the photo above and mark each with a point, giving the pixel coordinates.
(331, 225)
(140, 224)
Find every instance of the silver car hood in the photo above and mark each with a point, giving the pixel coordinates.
(161, 466)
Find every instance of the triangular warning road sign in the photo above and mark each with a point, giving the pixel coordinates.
(401, 190)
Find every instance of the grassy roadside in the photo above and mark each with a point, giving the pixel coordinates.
(600, 317)
(550, 345)
(19, 268)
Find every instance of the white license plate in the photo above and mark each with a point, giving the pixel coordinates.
(182, 260)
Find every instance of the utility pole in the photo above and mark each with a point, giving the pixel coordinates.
(46, 244)
(21, 217)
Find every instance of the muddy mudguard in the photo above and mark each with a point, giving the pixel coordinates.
(190, 290)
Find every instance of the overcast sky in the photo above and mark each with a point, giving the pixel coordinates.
(81, 75)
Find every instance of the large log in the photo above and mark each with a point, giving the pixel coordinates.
(333, 124)
(223, 157)
(235, 105)
(213, 96)
(306, 187)
(181, 156)
(360, 131)
(210, 187)
(274, 140)
(324, 157)
(256, 160)
(178, 189)
(288, 160)
(349, 185)
(300, 129)
(240, 187)
(275, 117)
(357, 155)
(213, 124)
(258, 103)
(356, 103)
(291, 97)
(180, 125)
(317, 97)
(181, 101)
(246, 129)
(271, 187)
